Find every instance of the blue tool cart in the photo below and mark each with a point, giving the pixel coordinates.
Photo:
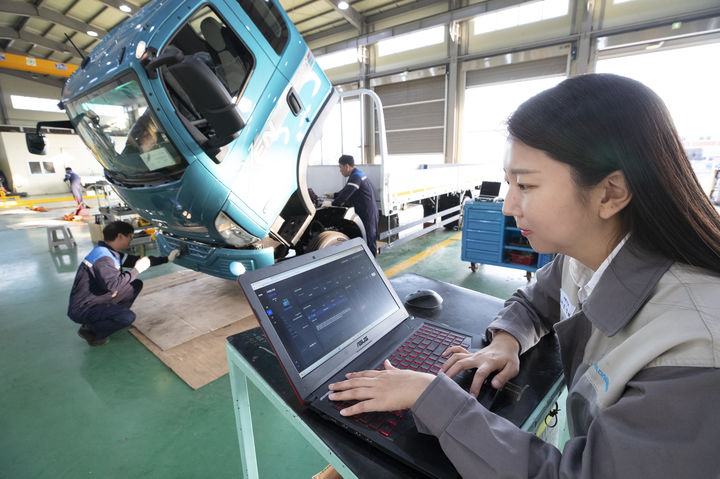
(489, 237)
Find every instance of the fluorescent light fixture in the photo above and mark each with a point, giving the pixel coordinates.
(92, 33)
(34, 103)
(412, 41)
(125, 8)
(343, 5)
(523, 14)
(338, 58)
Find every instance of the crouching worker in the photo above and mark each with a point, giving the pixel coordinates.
(103, 293)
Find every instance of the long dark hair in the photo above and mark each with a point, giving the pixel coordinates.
(600, 123)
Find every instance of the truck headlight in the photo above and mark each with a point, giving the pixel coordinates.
(232, 232)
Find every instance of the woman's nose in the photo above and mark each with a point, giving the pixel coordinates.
(509, 207)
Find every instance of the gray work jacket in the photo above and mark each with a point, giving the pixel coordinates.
(641, 358)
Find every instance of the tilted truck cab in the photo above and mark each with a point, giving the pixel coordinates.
(203, 115)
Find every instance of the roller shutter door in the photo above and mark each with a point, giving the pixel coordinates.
(414, 115)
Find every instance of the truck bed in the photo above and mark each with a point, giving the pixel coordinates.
(400, 185)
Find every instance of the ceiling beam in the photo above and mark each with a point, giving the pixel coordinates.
(45, 80)
(28, 10)
(319, 33)
(445, 18)
(59, 47)
(349, 14)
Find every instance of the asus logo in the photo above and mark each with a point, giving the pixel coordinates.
(362, 342)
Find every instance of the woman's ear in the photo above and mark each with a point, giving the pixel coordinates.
(615, 194)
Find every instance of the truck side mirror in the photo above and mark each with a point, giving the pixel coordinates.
(35, 143)
(171, 57)
(211, 99)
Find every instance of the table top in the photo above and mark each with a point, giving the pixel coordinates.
(540, 368)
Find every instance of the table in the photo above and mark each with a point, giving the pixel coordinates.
(526, 403)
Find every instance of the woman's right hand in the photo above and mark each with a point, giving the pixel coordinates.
(501, 355)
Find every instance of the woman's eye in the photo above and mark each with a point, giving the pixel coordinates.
(523, 186)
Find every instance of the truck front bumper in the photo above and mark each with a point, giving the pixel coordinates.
(214, 260)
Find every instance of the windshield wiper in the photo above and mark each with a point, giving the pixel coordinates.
(119, 178)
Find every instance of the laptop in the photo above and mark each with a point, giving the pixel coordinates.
(489, 190)
(333, 311)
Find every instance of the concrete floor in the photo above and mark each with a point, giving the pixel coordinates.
(68, 410)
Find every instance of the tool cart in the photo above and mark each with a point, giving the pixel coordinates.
(489, 237)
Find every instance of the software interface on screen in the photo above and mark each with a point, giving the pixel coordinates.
(319, 310)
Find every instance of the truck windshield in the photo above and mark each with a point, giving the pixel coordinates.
(124, 134)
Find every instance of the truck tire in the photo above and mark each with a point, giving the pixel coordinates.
(325, 239)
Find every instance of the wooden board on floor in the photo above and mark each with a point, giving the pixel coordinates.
(202, 359)
(179, 307)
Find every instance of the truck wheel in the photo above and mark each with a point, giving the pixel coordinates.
(325, 239)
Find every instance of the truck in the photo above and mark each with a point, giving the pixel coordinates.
(203, 116)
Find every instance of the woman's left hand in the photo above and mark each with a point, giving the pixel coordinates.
(388, 390)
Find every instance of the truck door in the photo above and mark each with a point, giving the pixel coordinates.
(271, 180)
(258, 167)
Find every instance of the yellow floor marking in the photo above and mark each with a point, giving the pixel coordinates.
(390, 272)
(38, 201)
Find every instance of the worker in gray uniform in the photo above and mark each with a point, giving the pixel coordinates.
(102, 292)
(597, 173)
(76, 188)
(358, 192)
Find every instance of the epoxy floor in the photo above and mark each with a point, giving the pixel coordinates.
(71, 411)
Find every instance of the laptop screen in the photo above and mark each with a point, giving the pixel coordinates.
(490, 188)
(320, 308)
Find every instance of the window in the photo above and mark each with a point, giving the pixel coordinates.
(269, 21)
(116, 124)
(486, 110)
(20, 102)
(338, 59)
(342, 134)
(524, 14)
(209, 38)
(689, 92)
(41, 167)
(411, 41)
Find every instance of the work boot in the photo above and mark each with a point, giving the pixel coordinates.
(87, 334)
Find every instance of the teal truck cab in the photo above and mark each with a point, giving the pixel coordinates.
(203, 115)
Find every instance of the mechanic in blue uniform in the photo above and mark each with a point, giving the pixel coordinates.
(103, 293)
(358, 192)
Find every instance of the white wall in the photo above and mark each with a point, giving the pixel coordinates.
(62, 151)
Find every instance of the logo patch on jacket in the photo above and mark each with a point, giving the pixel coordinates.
(602, 375)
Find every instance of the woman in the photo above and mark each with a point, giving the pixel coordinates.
(597, 174)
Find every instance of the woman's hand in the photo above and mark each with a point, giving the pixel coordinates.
(501, 355)
(389, 390)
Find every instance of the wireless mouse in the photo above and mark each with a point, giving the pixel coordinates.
(424, 298)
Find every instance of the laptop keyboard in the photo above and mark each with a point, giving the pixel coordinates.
(421, 352)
